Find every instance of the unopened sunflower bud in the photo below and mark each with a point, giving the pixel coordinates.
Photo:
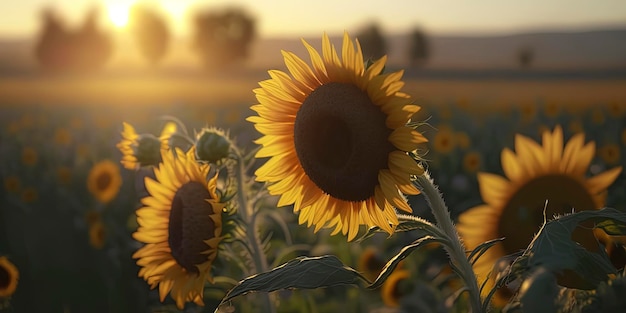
(212, 145)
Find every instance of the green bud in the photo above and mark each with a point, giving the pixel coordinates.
(212, 145)
(148, 150)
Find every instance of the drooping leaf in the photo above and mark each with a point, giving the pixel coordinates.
(393, 262)
(481, 249)
(554, 249)
(299, 273)
(413, 223)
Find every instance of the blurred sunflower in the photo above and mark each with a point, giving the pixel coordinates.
(29, 195)
(552, 109)
(104, 181)
(528, 111)
(610, 153)
(463, 140)
(615, 109)
(444, 141)
(395, 287)
(471, 162)
(97, 234)
(370, 263)
(337, 139)
(181, 225)
(515, 203)
(9, 275)
(12, 184)
(64, 175)
(62, 137)
(29, 156)
(143, 149)
(597, 116)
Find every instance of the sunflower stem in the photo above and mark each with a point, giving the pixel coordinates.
(455, 250)
(246, 210)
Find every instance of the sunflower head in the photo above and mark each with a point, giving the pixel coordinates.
(144, 149)
(97, 234)
(181, 225)
(397, 285)
(337, 137)
(212, 145)
(370, 263)
(541, 180)
(9, 276)
(104, 181)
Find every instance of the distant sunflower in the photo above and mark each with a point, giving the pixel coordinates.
(471, 162)
(610, 153)
(370, 263)
(515, 203)
(143, 149)
(12, 184)
(62, 137)
(97, 234)
(395, 287)
(9, 275)
(444, 141)
(337, 137)
(104, 181)
(29, 156)
(181, 225)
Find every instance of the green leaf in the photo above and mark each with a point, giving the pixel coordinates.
(393, 262)
(412, 223)
(302, 273)
(612, 228)
(481, 249)
(554, 249)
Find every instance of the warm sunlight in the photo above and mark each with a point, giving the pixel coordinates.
(118, 14)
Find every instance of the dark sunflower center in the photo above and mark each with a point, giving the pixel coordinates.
(148, 150)
(190, 225)
(103, 181)
(523, 215)
(341, 141)
(5, 278)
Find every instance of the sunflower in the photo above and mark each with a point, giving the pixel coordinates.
(104, 181)
(143, 149)
(62, 137)
(610, 153)
(12, 184)
(9, 276)
(181, 224)
(338, 141)
(370, 263)
(515, 203)
(395, 287)
(444, 141)
(29, 156)
(471, 162)
(97, 234)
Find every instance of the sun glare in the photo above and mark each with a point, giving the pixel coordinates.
(118, 15)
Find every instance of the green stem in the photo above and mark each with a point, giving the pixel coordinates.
(455, 250)
(248, 215)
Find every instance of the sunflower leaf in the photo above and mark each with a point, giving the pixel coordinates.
(412, 223)
(612, 227)
(481, 249)
(393, 262)
(554, 249)
(299, 273)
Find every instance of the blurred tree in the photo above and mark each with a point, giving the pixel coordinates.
(61, 49)
(223, 38)
(525, 56)
(372, 42)
(52, 49)
(150, 32)
(418, 50)
(92, 47)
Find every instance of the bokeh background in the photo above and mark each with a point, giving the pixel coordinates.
(72, 71)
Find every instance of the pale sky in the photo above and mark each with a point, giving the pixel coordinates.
(281, 18)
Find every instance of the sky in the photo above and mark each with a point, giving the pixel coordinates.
(289, 18)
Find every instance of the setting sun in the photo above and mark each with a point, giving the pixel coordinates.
(118, 15)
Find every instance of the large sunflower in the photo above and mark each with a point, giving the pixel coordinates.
(143, 149)
(9, 276)
(104, 181)
(181, 225)
(337, 137)
(515, 204)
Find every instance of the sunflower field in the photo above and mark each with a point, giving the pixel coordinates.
(338, 189)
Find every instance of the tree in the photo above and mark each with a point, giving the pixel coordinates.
(372, 42)
(62, 49)
(223, 38)
(418, 50)
(150, 32)
(525, 56)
